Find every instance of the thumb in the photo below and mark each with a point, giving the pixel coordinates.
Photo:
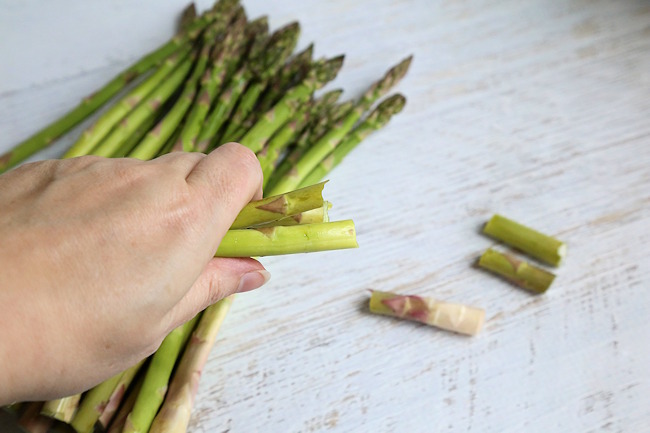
(220, 278)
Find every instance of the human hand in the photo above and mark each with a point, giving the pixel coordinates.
(102, 258)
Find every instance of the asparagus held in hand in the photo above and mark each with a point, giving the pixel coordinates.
(376, 120)
(451, 317)
(297, 239)
(517, 271)
(62, 409)
(538, 245)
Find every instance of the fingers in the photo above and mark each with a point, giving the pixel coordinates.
(221, 277)
(227, 179)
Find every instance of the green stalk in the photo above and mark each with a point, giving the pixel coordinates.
(156, 380)
(175, 413)
(117, 424)
(257, 32)
(322, 72)
(451, 317)
(538, 245)
(329, 141)
(271, 153)
(304, 238)
(112, 142)
(211, 83)
(293, 72)
(278, 207)
(92, 103)
(62, 409)
(93, 404)
(116, 397)
(93, 135)
(376, 120)
(279, 47)
(517, 271)
(187, 17)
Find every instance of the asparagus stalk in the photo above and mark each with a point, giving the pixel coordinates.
(322, 72)
(517, 271)
(376, 120)
(256, 32)
(278, 48)
(117, 424)
(91, 103)
(155, 383)
(329, 141)
(293, 72)
(451, 317)
(187, 17)
(93, 135)
(175, 412)
(538, 245)
(304, 238)
(62, 409)
(269, 156)
(115, 399)
(275, 208)
(158, 136)
(93, 404)
(211, 82)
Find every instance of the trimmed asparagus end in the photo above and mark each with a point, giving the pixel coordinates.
(444, 315)
(62, 409)
(521, 273)
(538, 245)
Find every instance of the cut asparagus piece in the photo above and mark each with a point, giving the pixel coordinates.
(305, 238)
(318, 215)
(277, 207)
(451, 317)
(521, 273)
(322, 72)
(376, 120)
(93, 404)
(90, 104)
(155, 383)
(319, 150)
(62, 409)
(175, 412)
(538, 245)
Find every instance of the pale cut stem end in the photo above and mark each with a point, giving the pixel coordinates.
(457, 318)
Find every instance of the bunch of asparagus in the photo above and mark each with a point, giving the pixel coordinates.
(221, 78)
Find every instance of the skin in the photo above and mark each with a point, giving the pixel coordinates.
(101, 258)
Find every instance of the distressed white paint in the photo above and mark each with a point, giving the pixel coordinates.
(538, 110)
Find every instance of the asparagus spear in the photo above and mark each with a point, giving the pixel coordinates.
(279, 47)
(517, 271)
(93, 135)
(452, 317)
(329, 141)
(310, 135)
(304, 238)
(322, 72)
(175, 412)
(318, 215)
(91, 103)
(376, 120)
(187, 16)
(293, 72)
(117, 424)
(115, 399)
(93, 404)
(256, 32)
(155, 383)
(278, 207)
(538, 245)
(269, 156)
(211, 82)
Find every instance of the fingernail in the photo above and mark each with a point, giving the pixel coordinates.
(253, 280)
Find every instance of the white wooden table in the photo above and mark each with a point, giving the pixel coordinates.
(538, 110)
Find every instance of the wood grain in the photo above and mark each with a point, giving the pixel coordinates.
(536, 110)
